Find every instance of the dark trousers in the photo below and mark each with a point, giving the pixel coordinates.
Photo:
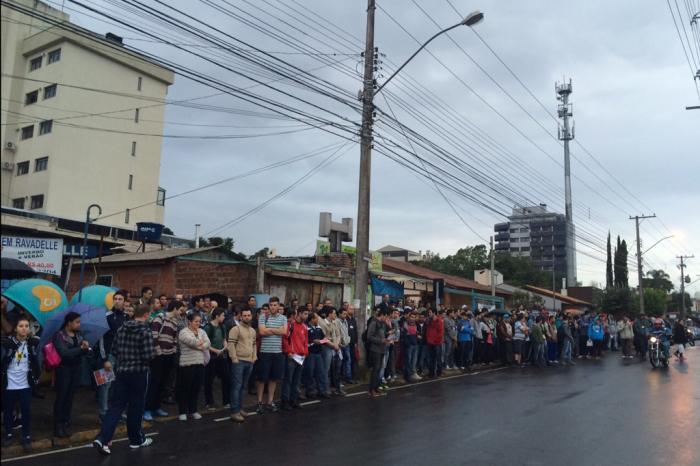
(189, 381)
(9, 399)
(67, 383)
(218, 367)
(334, 373)
(314, 378)
(346, 364)
(375, 362)
(597, 348)
(434, 360)
(161, 369)
(464, 353)
(507, 351)
(583, 349)
(290, 384)
(129, 392)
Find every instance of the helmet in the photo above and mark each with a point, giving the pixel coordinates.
(658, 323)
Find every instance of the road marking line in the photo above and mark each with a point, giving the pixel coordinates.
(307, 403)
(355, 394)
(447, 378)
(62, 450)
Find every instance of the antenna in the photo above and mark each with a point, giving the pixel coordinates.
(565, 110)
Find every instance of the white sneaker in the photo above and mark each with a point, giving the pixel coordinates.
(144, 444)
(196, 416)
(182, 417)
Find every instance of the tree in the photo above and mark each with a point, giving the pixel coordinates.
(655, 301)
(225, 243)
(262, 253)
(676, 302)
(463, 263)
(520, 271)
(617, 301)
(609, 280)
(527, 300)
(620, 264)
(658, 279)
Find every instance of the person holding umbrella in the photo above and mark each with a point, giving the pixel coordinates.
(71, 346)
(133, 349)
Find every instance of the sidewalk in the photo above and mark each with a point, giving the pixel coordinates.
(85, 424)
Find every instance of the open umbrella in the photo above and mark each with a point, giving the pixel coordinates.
(40, 298)
(96, 295)
(15, 268)
(93, 323)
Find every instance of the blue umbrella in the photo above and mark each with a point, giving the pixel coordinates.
(40, 298)
(96, 295)
(93, 323)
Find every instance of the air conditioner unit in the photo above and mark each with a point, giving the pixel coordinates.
(11, 146)
(8, 166)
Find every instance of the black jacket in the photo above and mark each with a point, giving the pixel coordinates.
(9, 348)
(352, 330)
(115, 319)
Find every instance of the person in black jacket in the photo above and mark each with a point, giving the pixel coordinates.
(71, 346)
(115, 319)
(351, 368)
(680, 339)
(20, 372)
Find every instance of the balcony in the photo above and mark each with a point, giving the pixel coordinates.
(501, 227)
(502, 247)
(502, 236)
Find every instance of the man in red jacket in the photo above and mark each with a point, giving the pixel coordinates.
(296, 347)
(434, 336)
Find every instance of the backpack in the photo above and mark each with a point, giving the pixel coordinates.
(51, 357)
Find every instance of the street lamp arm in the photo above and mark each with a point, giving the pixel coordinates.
(416, 53)
(652, 246)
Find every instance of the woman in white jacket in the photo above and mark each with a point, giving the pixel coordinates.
(194, 347)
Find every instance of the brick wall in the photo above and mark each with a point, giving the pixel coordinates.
(236, 281)
(132, 278)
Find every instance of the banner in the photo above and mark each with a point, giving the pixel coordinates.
(44, 255)
(324, 247)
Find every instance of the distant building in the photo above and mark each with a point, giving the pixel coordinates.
(82, 120)
(535, 233)
(399, 254)
(483, 277)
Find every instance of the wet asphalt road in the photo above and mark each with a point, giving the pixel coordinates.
(609, 412)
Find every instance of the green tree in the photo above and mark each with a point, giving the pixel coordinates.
(463, 263)
(617, 301)
(676, 300)
(262, 253)
(620, 264)
(658, 279)
(655, 301)
(225, 243)
(521, 271)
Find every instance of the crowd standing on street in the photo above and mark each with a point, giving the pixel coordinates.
(165, 351)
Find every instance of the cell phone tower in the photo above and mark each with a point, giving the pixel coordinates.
(566, 134)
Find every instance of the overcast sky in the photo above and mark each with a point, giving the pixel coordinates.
(631, 84)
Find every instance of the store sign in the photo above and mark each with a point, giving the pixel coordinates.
(324, 247)
(44, 255)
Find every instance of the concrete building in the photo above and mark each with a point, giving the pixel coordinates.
(536, 233)
(399, 254)
(82, 120)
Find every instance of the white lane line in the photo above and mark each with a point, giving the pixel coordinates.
(355, 394)
(62, 450)
(307, 403)
(446, 378)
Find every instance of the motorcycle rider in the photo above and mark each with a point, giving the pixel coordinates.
(663, 332)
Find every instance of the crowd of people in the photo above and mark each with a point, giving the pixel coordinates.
(165, 351)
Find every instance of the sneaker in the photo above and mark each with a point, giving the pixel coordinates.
(102, 449)
(237, 417)
(259, 409)
(245, 413)
(182, 417)
(210, 408)
(147, 416)
(146, 442)
(161, 413)
(272, 407)
(196, 416)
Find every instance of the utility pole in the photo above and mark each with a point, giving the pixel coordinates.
(493, 271)
(640, 273)
(682, 258)
(566, 134)
(362, 259)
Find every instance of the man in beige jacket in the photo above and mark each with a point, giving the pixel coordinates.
(242, 351)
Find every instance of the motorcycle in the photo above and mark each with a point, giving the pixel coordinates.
(657, 356)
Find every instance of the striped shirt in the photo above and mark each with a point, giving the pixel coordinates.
(164, 330)
(272, 343)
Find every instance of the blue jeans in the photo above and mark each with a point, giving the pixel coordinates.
(314, 378)
(421, 358)
(290, 384)
(9, 399)
(240, 373)
(566, 351)
(327, 355)
(346, 369)
(130, 394)
(410, 356)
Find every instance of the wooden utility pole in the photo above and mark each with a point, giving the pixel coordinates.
(640, 273)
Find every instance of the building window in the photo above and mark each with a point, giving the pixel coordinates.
(41, 164)
(45, 127)
(160, 199)
(35, 63)
(514, 249)
(54, 56)
(18, 203)
(136, 116)
(133, 148)
(28, 132)
(138, 83)
(37, 202)
(50, 91)
(31, 98)
(513, 230)
(524, 230)
(23, 168)
(525, 249)
(131, 181)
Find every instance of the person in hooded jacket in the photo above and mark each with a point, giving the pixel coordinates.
(596, 332)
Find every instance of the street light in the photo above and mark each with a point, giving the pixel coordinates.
(470, 20)
(652, 246)
(83, 253)
(363, 198)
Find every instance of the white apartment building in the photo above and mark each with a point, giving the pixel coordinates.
(82, 121)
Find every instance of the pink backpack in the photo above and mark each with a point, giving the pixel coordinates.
(51, 357)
